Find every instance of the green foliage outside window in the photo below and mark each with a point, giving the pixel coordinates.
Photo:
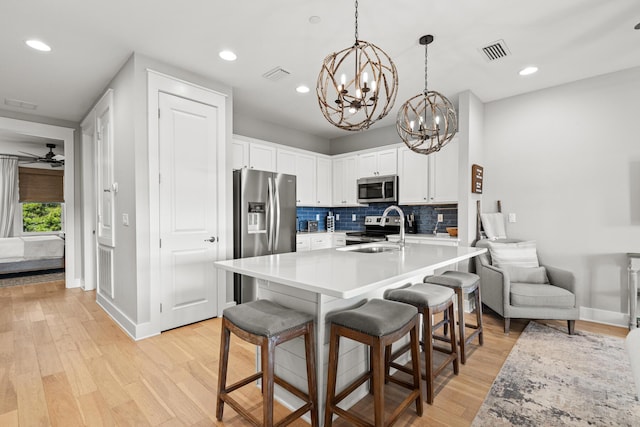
(41, 217)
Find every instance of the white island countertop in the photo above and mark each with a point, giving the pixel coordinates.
(343, 273)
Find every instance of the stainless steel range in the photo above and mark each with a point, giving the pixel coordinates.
(374, 231)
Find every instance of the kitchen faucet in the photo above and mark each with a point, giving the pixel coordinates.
(384, 221)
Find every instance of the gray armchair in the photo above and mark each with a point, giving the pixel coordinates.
(522, 300)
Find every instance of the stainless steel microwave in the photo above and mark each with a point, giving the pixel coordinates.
(378, 189)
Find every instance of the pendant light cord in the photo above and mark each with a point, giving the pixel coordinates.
(356, 22)
(425, 69)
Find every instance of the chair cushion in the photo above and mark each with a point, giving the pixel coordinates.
(421, 295)
(454, 279)
(528, 274)
(493, 225)
(265, 318)
(376, 317)
(537, 295)
(521, 254)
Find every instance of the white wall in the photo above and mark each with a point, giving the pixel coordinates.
(566, 160)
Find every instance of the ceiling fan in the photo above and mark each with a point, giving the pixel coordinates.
(55, 160)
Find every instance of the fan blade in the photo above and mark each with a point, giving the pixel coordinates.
(58, 158)
(29, 154)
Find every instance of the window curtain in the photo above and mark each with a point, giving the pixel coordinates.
(8, 189)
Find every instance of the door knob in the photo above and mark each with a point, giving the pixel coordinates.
(211, 239)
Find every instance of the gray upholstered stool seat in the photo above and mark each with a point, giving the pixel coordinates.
(378, 324)
(463, 283)
(267, 324)
(420, 295)
(265, 318)
(376, 317)
(429, 299)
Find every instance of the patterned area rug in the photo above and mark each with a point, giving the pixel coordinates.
(17, 280)
(554, 379)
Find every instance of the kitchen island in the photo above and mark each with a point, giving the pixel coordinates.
(323, 281)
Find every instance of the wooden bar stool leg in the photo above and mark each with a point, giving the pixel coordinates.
(461, 334)
(225, 337)
(268, 358)
(427, 333)
(334, 348)
(454, 346)
(310, 354)
(479, 316)
(415, 365)
(378, 371)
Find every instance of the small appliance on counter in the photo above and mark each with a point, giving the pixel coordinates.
(312, 226)
(412, 224)
(331, 223)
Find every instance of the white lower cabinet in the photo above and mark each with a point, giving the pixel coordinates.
(315, 241)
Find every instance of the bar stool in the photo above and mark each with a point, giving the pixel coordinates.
(267, 325)
(378, 324)
(429, 300)
(463, 283)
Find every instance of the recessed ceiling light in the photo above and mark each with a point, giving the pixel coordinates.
(302, 89)
(38, 45)
(314, 19)
(528, 70)
(227, 55)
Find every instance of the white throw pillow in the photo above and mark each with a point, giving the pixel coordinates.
(493, 225)
(520, 254)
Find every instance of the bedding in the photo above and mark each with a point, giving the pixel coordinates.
(31, 253)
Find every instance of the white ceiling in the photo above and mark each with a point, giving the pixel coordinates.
(567, 39)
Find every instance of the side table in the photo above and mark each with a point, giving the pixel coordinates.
(634, 267)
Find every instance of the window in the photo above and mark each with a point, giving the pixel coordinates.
(41, 217)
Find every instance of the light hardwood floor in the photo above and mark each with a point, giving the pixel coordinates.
(64, 362)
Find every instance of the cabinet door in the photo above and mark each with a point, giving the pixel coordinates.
(367, 165)
(443, 175)
(239, 154)
(323, 182)
(338, 182)
(306, 180)
(350, 177)
(262, 157)
(303, 243)
(413, 177)
(387, 162)
(286, 162)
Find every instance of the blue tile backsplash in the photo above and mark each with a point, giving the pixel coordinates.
(426, 216)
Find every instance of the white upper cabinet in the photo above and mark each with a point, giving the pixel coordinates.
(428, 179)
(443, 174)
(252, 153)
(262, 157)
(323, 181)
(413, 177)
(239, 154)
(303, 166)
(378, 163)
(345, 181)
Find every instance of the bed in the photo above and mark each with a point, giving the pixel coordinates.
(31, 253)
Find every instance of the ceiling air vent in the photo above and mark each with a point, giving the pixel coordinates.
(496, 50)
(20, 104)
(276, 74)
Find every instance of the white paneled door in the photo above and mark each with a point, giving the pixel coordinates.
(188, 141)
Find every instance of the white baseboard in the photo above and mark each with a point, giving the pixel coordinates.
(118, 316)
(606, 317)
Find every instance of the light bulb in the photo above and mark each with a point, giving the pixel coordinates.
(358, 93)
(411, 124)
(365, 77)
(437, 120)
(352, 110)
(343, 79)
(373, 85)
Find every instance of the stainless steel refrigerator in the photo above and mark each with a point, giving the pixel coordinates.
(264, 221)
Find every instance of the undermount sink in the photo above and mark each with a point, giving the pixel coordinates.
(370, 248)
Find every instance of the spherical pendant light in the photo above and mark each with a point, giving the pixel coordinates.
(357, 86)
(428, 121)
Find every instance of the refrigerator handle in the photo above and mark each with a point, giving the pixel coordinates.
(270, 208)
(276, 229)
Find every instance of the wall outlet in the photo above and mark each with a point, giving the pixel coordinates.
(512, 217)
(317, 217)
(125, 219)
(440, 217)
(337, 217)
(353, 217)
